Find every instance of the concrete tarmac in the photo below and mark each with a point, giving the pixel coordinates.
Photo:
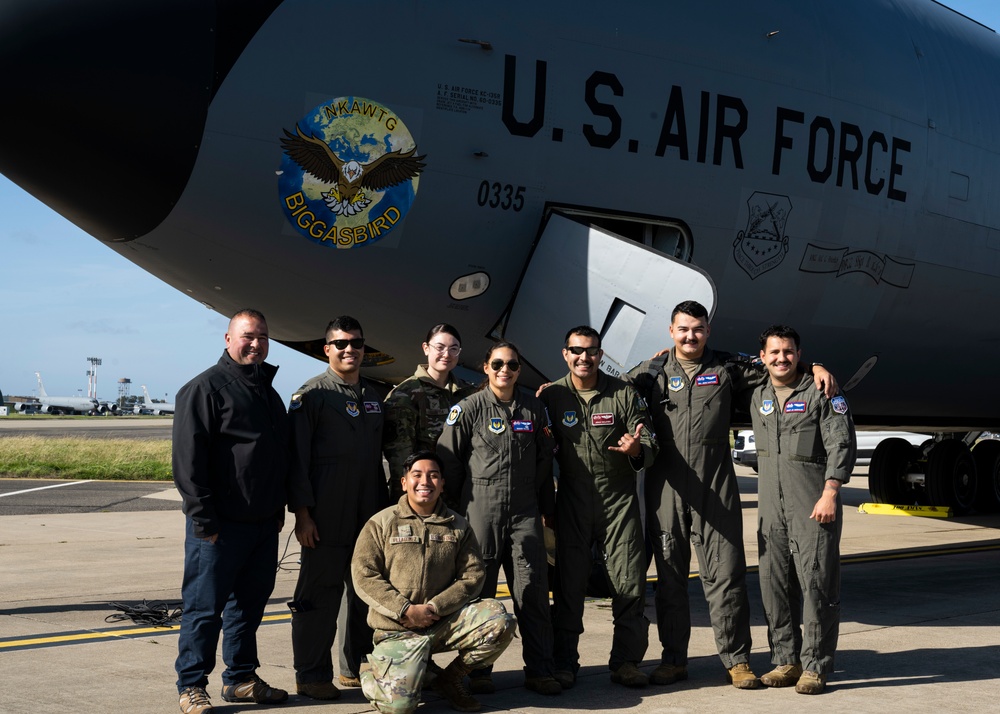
(920, 629)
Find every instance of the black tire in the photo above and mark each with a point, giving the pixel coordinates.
(887, 471)
(951, 476)
(986, 454)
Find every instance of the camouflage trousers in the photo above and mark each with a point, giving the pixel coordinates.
(480, 632)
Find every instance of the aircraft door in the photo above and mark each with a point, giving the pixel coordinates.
(580, 274)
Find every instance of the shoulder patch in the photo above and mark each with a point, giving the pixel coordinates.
(839, 404)
(296, 402)
(453, 415)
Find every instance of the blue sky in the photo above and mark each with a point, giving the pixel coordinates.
(65, 296)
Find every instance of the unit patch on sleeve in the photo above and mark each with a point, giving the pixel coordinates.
(705, 380)
(602, 419)
(839, 404)
(456, 411)
(795, 407)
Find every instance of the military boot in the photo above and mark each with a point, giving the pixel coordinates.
(449, 685)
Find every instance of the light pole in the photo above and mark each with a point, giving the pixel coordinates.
(92, 377)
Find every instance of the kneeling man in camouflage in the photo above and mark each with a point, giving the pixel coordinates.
(418, 566)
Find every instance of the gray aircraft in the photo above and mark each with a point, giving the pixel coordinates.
(59, 405)
(151, 407)
(516, 168)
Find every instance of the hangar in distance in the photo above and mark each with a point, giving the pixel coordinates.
(517, 168)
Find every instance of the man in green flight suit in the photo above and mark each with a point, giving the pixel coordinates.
(602, 432)
(806, 448)
(692, 496)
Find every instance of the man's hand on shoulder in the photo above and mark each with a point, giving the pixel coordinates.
(824, 381)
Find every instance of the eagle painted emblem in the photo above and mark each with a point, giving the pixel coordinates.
(763, 245)
(349, 174)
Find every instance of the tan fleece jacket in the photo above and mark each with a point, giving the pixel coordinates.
(401, 558)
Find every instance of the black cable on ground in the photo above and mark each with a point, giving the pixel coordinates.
(153, 614)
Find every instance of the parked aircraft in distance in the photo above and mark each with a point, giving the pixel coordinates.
(517, 168)
(150, 407)
(59, 405)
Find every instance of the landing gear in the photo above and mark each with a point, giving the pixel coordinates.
(951, 476)
(888, 469)
(942, 473)
(986, 454)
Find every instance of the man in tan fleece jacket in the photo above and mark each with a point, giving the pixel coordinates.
(417, 564)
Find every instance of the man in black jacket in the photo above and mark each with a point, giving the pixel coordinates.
(229, 464)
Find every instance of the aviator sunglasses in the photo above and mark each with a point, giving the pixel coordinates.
(513, 365)
(591, 351)
(355, 342)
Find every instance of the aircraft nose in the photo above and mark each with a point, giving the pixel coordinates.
(105, 101)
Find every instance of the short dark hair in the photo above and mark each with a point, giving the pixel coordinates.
(583, 331)
(249, 312)
(344, 323)
(690, 307)
(782, 332)
(422, 455)
(446, 329)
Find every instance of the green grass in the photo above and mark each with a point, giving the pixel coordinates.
(76, 458)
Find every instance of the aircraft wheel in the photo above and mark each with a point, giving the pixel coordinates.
(887, 471)
(951, 476)
(986, 454)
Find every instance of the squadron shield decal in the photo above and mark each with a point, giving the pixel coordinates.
(349, 173)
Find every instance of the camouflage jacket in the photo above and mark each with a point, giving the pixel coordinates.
(415, 414)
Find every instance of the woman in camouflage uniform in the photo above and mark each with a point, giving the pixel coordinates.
(417, 407)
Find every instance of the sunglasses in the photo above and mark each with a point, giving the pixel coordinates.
(355, 342)
(591, 351)
(513, 365)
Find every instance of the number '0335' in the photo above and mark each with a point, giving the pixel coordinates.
(501, 195)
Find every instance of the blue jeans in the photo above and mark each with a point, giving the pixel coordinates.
(226, 588)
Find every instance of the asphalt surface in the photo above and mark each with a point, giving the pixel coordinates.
(920, 628)
(99, 427)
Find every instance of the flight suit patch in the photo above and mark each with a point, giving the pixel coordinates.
(795, 407)
(522, 425)
(602, 419)
(569, 419)
(767, 407)
(676, 384)
(496, 425)
(373, 408)
(295, 403)
(453, 415)
(839, 404)
(705, 380)
(352, 409)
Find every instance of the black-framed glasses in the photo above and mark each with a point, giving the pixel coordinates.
(591, 351)
(512, 364)
(452, 351)
(355, 342)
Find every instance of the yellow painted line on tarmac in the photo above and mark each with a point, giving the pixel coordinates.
(502, 592)
(889, 509)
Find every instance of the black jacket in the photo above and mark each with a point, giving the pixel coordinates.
(230, 446)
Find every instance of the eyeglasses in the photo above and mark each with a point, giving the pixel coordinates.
(452, 351)
(512, 364)
(355, 342)
(591, 351)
